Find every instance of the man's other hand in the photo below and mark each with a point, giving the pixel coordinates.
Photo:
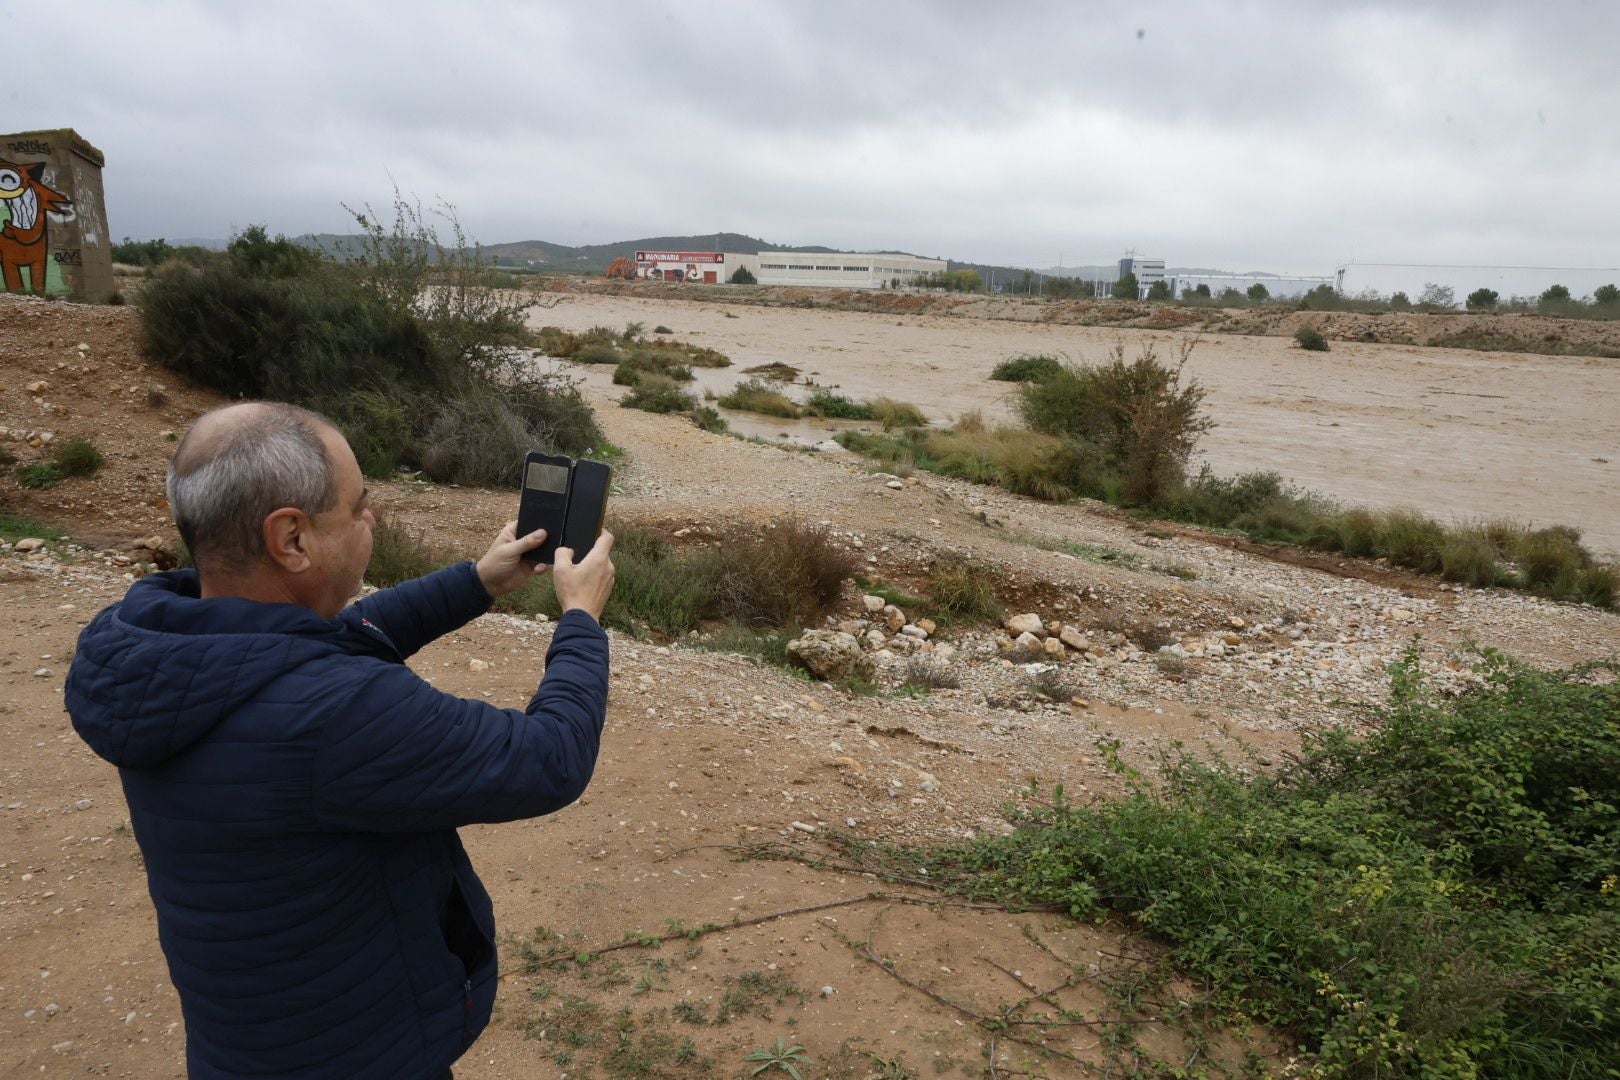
(587, 584)
(502, 568)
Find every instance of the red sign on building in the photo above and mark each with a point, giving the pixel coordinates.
(680, 257)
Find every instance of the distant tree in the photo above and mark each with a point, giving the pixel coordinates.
(965, 280)
(1555, 298)
(1400, 302)
(1159, 290)
(1437, 297)
(742, 276)
(1482, 300)
(1126, 288)
(1202, 290)
(141, 252)
(1230, 297)
(1322, 298)
(1064, 287)
(1606, 295)
(1258, 293)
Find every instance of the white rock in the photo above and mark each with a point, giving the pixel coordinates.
(1053, 648)
(829, 654)
(31, 543)
(913, 630)
(895, 484)
(83, 804)
(1073, 638)
(803, 826)
(873, 604)
(43, 673)
(476, 664)
(1026, 624)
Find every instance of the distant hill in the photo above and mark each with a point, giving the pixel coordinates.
(594, 258)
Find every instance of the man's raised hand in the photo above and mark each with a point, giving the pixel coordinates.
(502, 568)
(587, 584)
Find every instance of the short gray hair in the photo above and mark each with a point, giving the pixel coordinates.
(229, 475)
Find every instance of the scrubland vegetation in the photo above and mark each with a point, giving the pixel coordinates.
(404, 346)
(1436, 899)
(1124, 432)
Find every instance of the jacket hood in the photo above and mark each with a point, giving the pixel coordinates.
(157, 671)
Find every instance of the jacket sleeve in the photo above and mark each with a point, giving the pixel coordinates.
(415, 613)
(402, 756)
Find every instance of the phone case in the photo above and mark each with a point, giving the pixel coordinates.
(587, 505)
(544, 501)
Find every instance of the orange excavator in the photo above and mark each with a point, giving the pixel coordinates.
(621, 268)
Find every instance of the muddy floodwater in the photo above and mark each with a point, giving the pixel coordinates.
(1456, 433)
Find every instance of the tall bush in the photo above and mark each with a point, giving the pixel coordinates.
(1139, 413)
(397, 345)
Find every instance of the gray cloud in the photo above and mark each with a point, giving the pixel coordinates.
(1240, 134)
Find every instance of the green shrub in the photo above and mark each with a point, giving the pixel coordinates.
(1139, 414)
(752, 395)
(780, 578)
(658, 394)
(478, 439)
(896, 414)
(962, 588)
(789, 574)
(1356, 532)
(1469, 556)
(399, 554)
(597, 354)
(1408, 538)
(1598, 585)
(742, 276)
(1218, 501)
(643, 362)
(1546, 556)
(709, 419)
(1436, 899)
(39, 476)
(837, 407)
(1311, 339)
(1481, 300)
(76, 456)
(1027, 368)
(1258, 293)
(398, 344)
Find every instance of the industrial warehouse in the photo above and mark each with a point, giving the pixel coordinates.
(821, 268)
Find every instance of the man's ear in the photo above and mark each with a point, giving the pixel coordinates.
(286, 539)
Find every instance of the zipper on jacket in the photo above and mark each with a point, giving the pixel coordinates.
(466, 1009)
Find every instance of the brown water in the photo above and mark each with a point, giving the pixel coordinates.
(1457, 433)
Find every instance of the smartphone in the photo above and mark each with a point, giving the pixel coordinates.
(567, 498)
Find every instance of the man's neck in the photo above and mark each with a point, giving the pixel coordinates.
(264, 588)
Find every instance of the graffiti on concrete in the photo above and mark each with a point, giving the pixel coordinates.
(29, 146)
(28, 203)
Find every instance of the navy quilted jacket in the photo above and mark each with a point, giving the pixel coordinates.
(295, 790)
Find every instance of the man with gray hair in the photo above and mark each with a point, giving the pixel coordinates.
(294, 787)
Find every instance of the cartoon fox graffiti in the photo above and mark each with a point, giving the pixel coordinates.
(22, 238)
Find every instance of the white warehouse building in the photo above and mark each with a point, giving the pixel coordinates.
(870, 271)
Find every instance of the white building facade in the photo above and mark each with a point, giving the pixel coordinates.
(820, 268)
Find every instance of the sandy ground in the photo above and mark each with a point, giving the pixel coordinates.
(1457, 433)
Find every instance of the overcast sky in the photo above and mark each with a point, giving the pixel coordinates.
(1287, 136)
